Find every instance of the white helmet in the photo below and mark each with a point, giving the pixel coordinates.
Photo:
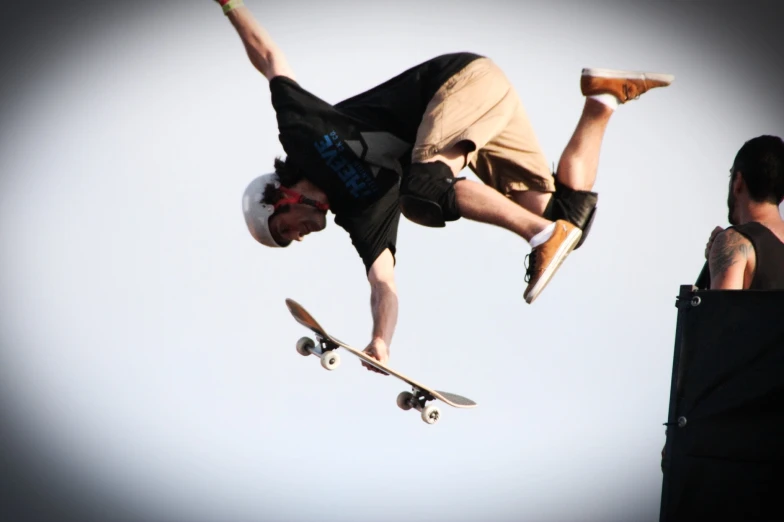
(257, 213)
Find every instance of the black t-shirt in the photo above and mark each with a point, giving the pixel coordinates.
(357, 150)
(769, 251)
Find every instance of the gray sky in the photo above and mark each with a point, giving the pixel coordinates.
(147, 353)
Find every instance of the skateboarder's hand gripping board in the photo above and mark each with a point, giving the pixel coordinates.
(378, 350)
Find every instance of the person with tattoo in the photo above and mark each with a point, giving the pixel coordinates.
(749, 255)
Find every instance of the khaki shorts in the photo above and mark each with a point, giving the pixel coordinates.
(480, 105)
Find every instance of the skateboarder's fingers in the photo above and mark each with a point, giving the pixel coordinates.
(373, 368)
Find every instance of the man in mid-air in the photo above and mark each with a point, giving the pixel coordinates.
(399, 147)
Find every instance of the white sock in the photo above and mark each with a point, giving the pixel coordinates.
(542, 236)
(607, 99)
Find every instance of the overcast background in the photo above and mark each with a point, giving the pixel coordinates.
(147, 362)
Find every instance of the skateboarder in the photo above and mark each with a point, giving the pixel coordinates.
(399, 147)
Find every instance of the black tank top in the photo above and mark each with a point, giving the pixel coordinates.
(769, 251)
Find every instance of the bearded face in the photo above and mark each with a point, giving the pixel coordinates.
(732, 202)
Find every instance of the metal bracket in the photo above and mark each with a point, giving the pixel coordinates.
(421, 397)
(686, 299)
(325, 345)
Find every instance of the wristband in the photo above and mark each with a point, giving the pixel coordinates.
(229, 5)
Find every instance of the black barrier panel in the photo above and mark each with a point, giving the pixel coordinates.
(724, 455)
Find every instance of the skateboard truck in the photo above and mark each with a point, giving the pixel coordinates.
(418, 400)
(326, 351)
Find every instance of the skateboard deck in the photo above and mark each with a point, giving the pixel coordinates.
(327, 347)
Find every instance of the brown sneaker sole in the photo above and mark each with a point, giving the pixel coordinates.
(560, 256)
(624, 85)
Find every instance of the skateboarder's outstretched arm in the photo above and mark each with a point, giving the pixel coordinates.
(383, 306)
(262, 50)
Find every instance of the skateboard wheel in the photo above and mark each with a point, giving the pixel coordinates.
(404, 400)
(330, 360)
(431, 414)
(305, 345)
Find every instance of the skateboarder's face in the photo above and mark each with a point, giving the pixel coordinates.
(297, 222)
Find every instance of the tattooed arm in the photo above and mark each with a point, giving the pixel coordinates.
(728, 260)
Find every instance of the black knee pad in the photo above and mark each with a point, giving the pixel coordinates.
(575, 206)
(427, 194)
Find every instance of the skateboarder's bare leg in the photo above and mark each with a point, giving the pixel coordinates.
(532, 200)
(478, 202)
(580, 159)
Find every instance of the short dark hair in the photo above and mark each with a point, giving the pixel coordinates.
(761, 163)
(289, 176)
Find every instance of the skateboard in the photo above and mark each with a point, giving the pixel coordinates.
(326, 350)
